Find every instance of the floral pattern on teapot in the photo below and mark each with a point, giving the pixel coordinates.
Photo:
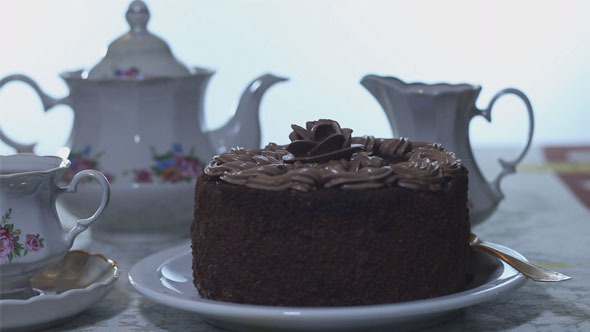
(172, 166)
(130, 73)
(10, 247)
(85, 160)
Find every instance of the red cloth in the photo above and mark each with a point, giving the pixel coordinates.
(578, 181)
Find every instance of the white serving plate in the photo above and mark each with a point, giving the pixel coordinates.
(166, 277)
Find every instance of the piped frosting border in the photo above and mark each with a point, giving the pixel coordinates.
(368, 163)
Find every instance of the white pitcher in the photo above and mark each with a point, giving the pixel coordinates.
(441, 113)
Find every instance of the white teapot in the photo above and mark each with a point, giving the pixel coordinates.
(139, 119)
(441, 113)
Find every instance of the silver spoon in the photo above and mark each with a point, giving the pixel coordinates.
(530, 270)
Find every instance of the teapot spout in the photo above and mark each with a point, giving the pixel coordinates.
(243, 129)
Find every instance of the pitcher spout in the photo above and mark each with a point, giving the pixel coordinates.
(243, 129)
(376, 86)
(387, 92)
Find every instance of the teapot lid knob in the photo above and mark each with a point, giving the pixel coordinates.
(137, 16)
(138, 54)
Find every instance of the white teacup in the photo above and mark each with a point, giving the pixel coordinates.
(31, 234)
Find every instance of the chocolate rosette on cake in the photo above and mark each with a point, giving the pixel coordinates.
(323, 140)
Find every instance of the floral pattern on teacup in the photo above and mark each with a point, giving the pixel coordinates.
(10, 247)
(84, 160)
(172, 166)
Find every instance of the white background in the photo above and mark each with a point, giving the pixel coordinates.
(325, 47)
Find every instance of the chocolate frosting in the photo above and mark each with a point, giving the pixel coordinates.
(326, 156)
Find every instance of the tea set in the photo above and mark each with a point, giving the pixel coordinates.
(138, 143)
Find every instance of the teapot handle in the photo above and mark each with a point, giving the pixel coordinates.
(82, 224)
(47, 101)
(509, 167)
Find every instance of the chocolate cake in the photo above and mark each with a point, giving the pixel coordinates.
(331, 220)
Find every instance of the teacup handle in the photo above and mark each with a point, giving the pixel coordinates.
(47, 101)
(509, 167)
(82, 224)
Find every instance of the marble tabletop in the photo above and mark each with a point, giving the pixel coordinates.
(540, 218)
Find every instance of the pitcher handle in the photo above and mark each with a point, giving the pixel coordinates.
(509, 167)
(82, 224)
(47, 101)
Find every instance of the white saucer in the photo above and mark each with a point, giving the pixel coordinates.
(66, 289)
(166, 277)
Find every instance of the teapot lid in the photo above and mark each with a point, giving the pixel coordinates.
(138, 54)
